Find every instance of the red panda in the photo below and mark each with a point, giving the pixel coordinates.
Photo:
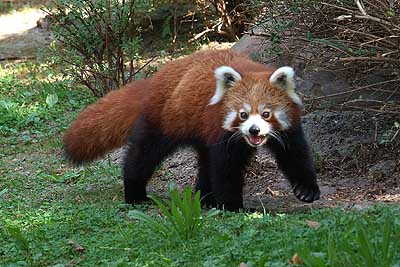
(219, 102)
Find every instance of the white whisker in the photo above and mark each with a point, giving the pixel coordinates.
(277, 136)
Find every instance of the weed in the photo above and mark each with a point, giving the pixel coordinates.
(182, 214)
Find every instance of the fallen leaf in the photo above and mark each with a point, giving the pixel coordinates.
(296, 260)
(76, 246)
(313, 224)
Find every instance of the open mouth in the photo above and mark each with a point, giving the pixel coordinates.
(256, 140)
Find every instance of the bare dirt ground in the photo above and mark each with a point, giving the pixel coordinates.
(19, 36)
(356, 152)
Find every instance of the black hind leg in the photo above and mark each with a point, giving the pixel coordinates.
(203, 183)
(146, 149)
(228, 160)
(296, 163)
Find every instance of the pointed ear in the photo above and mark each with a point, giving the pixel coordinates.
(226, 77)
(284, 78)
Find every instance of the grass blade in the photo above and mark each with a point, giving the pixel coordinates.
(365, 246)
(165, 212)
(387, 228)
(153, 223)
(331, 250)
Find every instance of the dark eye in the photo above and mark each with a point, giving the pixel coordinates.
(243, 115)
(266, 114)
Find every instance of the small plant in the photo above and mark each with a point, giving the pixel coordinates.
(182, 214)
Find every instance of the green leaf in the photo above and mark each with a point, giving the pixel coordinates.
(331, 250)
(151, 222)
(165, 212)
(51, 100)
(365, 246)
(166, 30)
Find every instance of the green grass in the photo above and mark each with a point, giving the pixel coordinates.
(52, 214)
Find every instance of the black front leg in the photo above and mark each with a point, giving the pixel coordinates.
(295, 161)
(227, 161)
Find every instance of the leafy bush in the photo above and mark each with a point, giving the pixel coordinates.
(96, 38)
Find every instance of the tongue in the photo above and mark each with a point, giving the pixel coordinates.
(255, 140)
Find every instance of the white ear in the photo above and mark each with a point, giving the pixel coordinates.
(226, 77)
(284, 78)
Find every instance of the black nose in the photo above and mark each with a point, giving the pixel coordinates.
(254, 130)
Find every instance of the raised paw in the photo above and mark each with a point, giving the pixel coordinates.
(307, 193)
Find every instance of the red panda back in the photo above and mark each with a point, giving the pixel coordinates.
(181, 91)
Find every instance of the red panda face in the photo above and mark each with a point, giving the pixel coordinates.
(257, 107)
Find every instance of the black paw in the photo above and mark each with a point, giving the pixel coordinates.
(136, 200)
(208, 201)
(307, 193)
(235, 207)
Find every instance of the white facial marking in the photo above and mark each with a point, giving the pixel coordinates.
(247, 107)
(282, 118)
(226, 77)
(261, 108)
(229, 119)
(264, 126)
(296, 99)
(260, 138)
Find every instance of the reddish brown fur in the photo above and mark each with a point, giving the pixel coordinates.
(182, 90)
(105, 125)
(175, 101)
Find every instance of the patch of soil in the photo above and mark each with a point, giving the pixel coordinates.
(19, 35)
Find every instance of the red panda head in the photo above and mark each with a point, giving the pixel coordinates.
(257, 105)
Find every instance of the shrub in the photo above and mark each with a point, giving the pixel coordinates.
(96, 38)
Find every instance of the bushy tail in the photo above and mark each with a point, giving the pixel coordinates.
(105, 125)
